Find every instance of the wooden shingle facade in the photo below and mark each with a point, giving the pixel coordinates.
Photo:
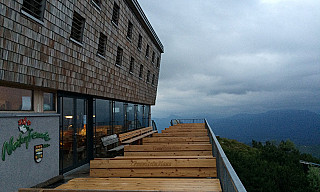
(41, 54)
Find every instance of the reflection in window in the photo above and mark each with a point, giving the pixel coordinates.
(146, 115)
(139, 116)
(49, 102)
(13, 99)
(118, 117)
(130, 116)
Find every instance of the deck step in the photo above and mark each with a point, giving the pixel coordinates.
(142, 184)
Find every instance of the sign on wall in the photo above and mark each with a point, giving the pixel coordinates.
(26, 135)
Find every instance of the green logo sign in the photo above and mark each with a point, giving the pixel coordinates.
(27, 134)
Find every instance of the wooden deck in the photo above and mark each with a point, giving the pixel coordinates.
(179, 159)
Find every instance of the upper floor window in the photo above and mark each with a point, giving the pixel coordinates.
(102, 44)
(141, 71)
(147, 51)
(35, 8)
(140, 42)
(119, 56)
(153, 79)
(153, 56)
(130, 29)
(49, 102)
(14, 99)
(97, 3)
(131, 65)
(158, 62)
(115, 14)
(77, 27)
(148, 76)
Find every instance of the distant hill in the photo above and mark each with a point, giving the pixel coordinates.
(302, 127)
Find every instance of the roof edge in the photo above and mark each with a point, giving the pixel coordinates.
(135, 6)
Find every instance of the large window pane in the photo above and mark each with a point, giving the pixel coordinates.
(49, 102)
(130, 116)
(139, 116)
(146, 115)
(118, 117)
(13, 99)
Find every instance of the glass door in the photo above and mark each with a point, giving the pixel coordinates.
(73, 133)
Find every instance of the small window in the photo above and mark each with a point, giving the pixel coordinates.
(49, 102)
(34, 7)
(131, 65)
(96, 3)
(130, 28)
(14, 99)
(148, 76)
(147, 51)
(153, 56)
(119, 56)
(77, 27)
(153, 78)
(141, 71)
(115, 14)
(140, 42)
(158, 62)
(102, 44)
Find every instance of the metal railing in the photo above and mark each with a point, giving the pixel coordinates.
(154, 125)
(229, 179)
(178, 121)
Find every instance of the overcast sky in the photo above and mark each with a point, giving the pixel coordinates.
(224, 57)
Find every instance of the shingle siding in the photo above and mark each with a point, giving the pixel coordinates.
(42, 54)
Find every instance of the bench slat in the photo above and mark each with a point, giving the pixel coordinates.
(170, 147)
(168, 153)
(155, 172)
(151, 163)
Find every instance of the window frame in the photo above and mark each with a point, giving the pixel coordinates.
(102, 44)
(131, 66)
(139, 42)
(73, 32)
(141, 71)
(37, 17)
(130, 30)
(119, 56)
(115, 14)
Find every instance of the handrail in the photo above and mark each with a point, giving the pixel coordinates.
(229, 179)
(154, 125)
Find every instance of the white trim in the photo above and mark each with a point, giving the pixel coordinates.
(76, 42)
(32, 17)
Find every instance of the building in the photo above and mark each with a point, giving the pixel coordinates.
(70, 73)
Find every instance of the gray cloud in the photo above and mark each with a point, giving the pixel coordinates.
(227, 57)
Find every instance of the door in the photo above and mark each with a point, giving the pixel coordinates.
(73, 133)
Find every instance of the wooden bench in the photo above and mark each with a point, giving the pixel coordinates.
(136, 135)
(176, 140)
(154, 167)
(181, 134)
(168, 150)
(111, 140)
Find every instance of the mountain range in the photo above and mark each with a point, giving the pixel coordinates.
(300, 126)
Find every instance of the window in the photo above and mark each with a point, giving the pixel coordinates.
(141, 71)
(14, 99)
(140, 42)
(96, 3)
(158, 62)
(49, 102)
(102, 44)
(115, 14)
(148, 76)
(119, 56)
(153, 78)
(131, 65)
(147, 51)
(77, 27)
(35, 8)
(130, 28)
(153, 56)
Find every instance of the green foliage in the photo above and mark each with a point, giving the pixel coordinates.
(269, 167)
(314, 178)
